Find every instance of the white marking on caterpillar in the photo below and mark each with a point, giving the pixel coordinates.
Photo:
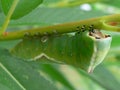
(91, 66)
(47, 57)
(44, 39)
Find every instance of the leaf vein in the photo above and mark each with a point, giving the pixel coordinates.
(7, 71)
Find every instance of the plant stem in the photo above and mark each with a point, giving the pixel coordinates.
(7, 20)
(101, 23)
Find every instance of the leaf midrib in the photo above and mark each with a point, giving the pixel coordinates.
(10, 74)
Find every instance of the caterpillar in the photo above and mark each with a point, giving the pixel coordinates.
(85, 49)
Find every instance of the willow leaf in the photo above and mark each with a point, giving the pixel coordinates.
(16, 74)
(24, 7)
(104, 78)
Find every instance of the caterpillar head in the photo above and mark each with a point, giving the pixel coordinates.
(102, 44)
(98, 34)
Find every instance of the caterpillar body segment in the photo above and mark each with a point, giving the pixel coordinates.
(85, 49)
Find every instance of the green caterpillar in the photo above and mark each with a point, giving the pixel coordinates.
(85, 49)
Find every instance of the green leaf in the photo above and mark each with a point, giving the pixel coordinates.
(47, 2)
(114, 54)
(104, 78)
(23, 7)
(114, 3)
(51, 16)
(56, 75)
(8, 44)
(51, 71)
(16, 74)
(116, 40)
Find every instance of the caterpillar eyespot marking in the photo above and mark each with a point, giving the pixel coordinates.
(44, 39)
(85, 49)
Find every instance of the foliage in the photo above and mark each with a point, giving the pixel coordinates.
(19, 74)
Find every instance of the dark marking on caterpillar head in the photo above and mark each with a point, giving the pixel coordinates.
(107, 36)
(97, 37)
(90, 33)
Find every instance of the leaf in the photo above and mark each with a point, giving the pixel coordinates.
(104, 78)
(114, 53)
(8, 44)
(56, 75)
(50, 16)
(24, 7)
(16, 74)
(116, 40)
(101, 77)
(114, 3)
(47, 2)
(51, 71)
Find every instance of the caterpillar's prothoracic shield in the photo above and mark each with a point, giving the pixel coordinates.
(84, 49)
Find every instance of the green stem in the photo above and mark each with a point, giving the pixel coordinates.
(7, 20)
(99, 23)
